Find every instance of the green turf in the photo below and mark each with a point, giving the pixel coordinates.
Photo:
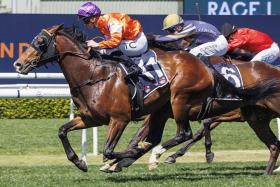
(218, 174)
(23, 137)
(26, 139)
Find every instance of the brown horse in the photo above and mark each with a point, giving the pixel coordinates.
(101, 94)
(254, 115)
(208, 125)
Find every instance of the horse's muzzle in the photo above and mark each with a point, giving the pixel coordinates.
(22, 68)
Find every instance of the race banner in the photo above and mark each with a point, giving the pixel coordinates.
(232, 7)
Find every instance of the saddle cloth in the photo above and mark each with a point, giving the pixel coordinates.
(231, 73)
(153, 75)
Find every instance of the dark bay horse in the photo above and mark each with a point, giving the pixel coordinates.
(101, 94)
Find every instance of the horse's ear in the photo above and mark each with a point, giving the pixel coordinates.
(60, 26)
(56, 28)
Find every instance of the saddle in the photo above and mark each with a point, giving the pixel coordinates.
(131, 72)
(223, 93)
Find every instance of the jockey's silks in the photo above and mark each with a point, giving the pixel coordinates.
(117, 27)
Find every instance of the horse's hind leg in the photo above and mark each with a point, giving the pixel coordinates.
(208, 141)
(197, 136)
(209, 124)
(260, 125)
(74, 124)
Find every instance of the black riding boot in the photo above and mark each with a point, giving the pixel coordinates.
(133, 69)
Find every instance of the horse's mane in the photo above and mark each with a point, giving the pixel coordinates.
(78, 36)
(166, 46)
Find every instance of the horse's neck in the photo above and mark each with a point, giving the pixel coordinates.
(74, 65)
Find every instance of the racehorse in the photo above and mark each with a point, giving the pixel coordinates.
(255, 116)
(208, 125)
(101, 94)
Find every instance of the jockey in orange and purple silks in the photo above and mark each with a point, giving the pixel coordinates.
(122, 32)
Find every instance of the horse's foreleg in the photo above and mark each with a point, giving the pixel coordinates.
(114, 132)
(107, 168)
(148, 136)
(74, 124)
(184, 132)
(197, 136)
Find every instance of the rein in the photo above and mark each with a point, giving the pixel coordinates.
(47, 52)
(75, 90)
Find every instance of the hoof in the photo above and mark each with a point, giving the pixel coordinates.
(115, 168)
(170, 160)
(82, 165)
(210, 157)
(277, 170)
(105, 159)
(153, 165)
(126, 162)
(105, 168)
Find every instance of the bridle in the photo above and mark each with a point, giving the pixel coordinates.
(47, 52)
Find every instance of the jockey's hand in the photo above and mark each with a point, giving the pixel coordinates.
(92, 43)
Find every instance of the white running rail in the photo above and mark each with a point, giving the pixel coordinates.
(44, 91)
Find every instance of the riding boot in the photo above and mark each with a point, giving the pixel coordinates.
(133, 69)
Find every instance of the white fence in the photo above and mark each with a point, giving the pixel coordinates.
(44, 91)
(52, 91)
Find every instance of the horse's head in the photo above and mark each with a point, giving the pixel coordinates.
(41, 51)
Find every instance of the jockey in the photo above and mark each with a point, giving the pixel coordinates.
(122, 33)
(203, 37)
(259, 44)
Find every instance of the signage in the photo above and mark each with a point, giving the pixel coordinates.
(233, 7)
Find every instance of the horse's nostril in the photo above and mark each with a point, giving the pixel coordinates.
(17, 64)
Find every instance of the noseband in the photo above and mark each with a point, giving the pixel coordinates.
(46, 50)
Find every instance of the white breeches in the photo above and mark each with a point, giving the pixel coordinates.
(215, 48)
(268, 55)
(130, 47)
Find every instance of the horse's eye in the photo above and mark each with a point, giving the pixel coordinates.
(41, 43)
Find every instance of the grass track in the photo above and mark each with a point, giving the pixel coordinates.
(32, 155)
(192, 174)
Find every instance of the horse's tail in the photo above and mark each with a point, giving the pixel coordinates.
(260, 90)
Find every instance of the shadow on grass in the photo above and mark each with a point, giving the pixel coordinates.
(191, 174)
